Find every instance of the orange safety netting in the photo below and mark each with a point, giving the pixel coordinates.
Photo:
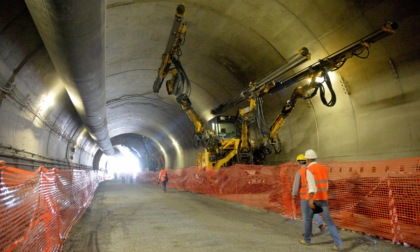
(379, 198)
(38, 209)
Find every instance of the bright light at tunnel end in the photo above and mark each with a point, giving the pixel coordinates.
(124, 164)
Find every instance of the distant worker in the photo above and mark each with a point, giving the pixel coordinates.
(301, 186)
(317, 178)
(163, 177)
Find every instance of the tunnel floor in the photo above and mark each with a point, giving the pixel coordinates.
(141, 217)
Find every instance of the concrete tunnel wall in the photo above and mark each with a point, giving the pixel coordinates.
(379, 119)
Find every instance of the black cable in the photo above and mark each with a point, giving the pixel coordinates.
(322, 90)
(362, 57)
(182, 85)
(260, 119)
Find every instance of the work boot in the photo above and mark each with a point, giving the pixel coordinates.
(303, 242)
(337, 248)
(321, 228)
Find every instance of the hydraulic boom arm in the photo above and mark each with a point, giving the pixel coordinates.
(336, 60)
(173, 47)
(179, 84)
(330, 63)
(320, 69)
(262, 86)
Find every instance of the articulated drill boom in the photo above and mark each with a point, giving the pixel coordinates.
(173, 47)
(320, 69)
(336, 60)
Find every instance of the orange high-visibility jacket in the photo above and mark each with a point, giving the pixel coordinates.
(321, 179)
(162, 175)
(303, 191)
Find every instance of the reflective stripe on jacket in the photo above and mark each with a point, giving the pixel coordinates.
(303, 191)
(321, 179)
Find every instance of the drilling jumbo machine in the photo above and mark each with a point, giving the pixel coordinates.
(228, 141)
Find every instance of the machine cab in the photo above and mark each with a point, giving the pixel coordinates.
(225, 127)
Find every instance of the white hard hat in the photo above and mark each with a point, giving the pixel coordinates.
(310, 154)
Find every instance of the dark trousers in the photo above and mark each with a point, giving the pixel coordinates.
(164, 185)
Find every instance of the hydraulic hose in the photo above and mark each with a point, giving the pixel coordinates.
(327, 81)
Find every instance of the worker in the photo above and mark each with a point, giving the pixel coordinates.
(300, 186)
(163, 177)
(317, 178)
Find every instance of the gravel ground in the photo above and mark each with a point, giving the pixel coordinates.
(140, 217)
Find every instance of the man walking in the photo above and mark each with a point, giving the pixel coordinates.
(317, 178)
(300, 186)
(163, 177)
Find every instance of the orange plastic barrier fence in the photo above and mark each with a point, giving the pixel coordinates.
(38, 209)
(379, 198)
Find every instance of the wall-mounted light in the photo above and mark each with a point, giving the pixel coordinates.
(47, 101)
(318, 79)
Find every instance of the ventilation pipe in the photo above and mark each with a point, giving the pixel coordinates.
(74, 35)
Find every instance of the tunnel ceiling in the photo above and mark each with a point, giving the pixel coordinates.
(228, 44)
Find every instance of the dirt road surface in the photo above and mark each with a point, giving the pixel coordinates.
(141, 217)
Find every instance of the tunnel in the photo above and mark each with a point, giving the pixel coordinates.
(103, 95)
